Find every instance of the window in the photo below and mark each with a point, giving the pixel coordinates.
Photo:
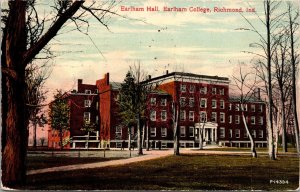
(237, 119)
(203, 90)
(230, 133)
(245, 134)
(191, 102)
(182, 115)
(163, 132)
(222, 132)
(245, 107)
(87, 91)
(230, 106)
(153, 132)
(163, 102)
(252, 120)
(191, 131)
(260, 133)
(192, 88)
(230, 118)
(119, 132)
(261, 120)
(222, 104)
(182, 101)
(96, 91)
(254, 133)
(237, 133)
(252, 108)
(163, 115)
(152, 101)
(86, 117)
(191, 115)
(214, 90)
(260, 109)
(153, 115)
(87, 103)
(221, 91)
(182, 131)
(183, 88)
(203, 103)
(214, 117)
(203, 116)
(222, 117)
(213, 104)
(237, 107)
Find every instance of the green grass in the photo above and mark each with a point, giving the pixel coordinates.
(186, 172)
(260, 149)
(40, 162)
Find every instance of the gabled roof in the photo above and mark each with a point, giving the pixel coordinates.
(247, 100)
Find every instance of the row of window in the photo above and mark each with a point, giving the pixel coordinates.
(203, 103)
(163, 102)
(237, 133)
(164, 131)
(244, 107)
(203, 89)
(87, 117)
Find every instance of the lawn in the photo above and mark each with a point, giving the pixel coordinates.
(186, 172)
(40, 162)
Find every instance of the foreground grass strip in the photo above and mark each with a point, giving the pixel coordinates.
(186, 172)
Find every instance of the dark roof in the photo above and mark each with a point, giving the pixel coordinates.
(187, 74)
(248, 100)
(159, 92)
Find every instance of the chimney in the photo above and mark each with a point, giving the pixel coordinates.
(258, 93)
(79, 81)
(167, 72)
(149, 76)
(107, 78)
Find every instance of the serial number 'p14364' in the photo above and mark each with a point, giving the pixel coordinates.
(279, 181)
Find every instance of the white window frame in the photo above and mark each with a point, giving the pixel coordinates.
(221, 91)
(182, 115)
(191, 102)
(205, 103)
(253, 133)
(182, 133)
(183, 88)
(222, 120)
(201, 117)
(87, 117)
(237, 107)
(237, 133)
(87, 103)
(216, 117)
(191, 115)
(245, 134)
(163, 102)
(182, 101)
(245, 107)
(153, 115)
(87, 91)
(230, 133)
(222, 132)
(261, 120)
(213, 104)
(222, 104)
(230, 119)
(237, 119)
(193, 132)
(164, 132)
(253, 108)
(230, 106)
(118, 132)
(163, 117)
(152, 131)
(252, 120)
(152, 101)
(260, 108)
(203, 90)
(192, 88)
(213, 90)
(260, 134)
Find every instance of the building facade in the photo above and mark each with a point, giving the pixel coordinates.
(205, 109)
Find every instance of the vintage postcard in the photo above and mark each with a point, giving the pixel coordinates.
(150, 95)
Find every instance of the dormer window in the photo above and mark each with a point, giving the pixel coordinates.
(87, 91)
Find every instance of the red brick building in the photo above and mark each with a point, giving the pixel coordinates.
(203, 102)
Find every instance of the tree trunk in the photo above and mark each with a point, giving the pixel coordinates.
(61, 139)
(34, 133)
(283, 124)
(139, 140)
(143, 137)
(148, 141)
(129, 138)
(253, 150)
(14, 130)
(201, 137)
(176, 129)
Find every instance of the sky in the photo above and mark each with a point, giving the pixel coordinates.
(202, 43)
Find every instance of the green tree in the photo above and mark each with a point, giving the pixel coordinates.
(59, 115)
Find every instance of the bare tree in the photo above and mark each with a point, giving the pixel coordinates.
(18, 53)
